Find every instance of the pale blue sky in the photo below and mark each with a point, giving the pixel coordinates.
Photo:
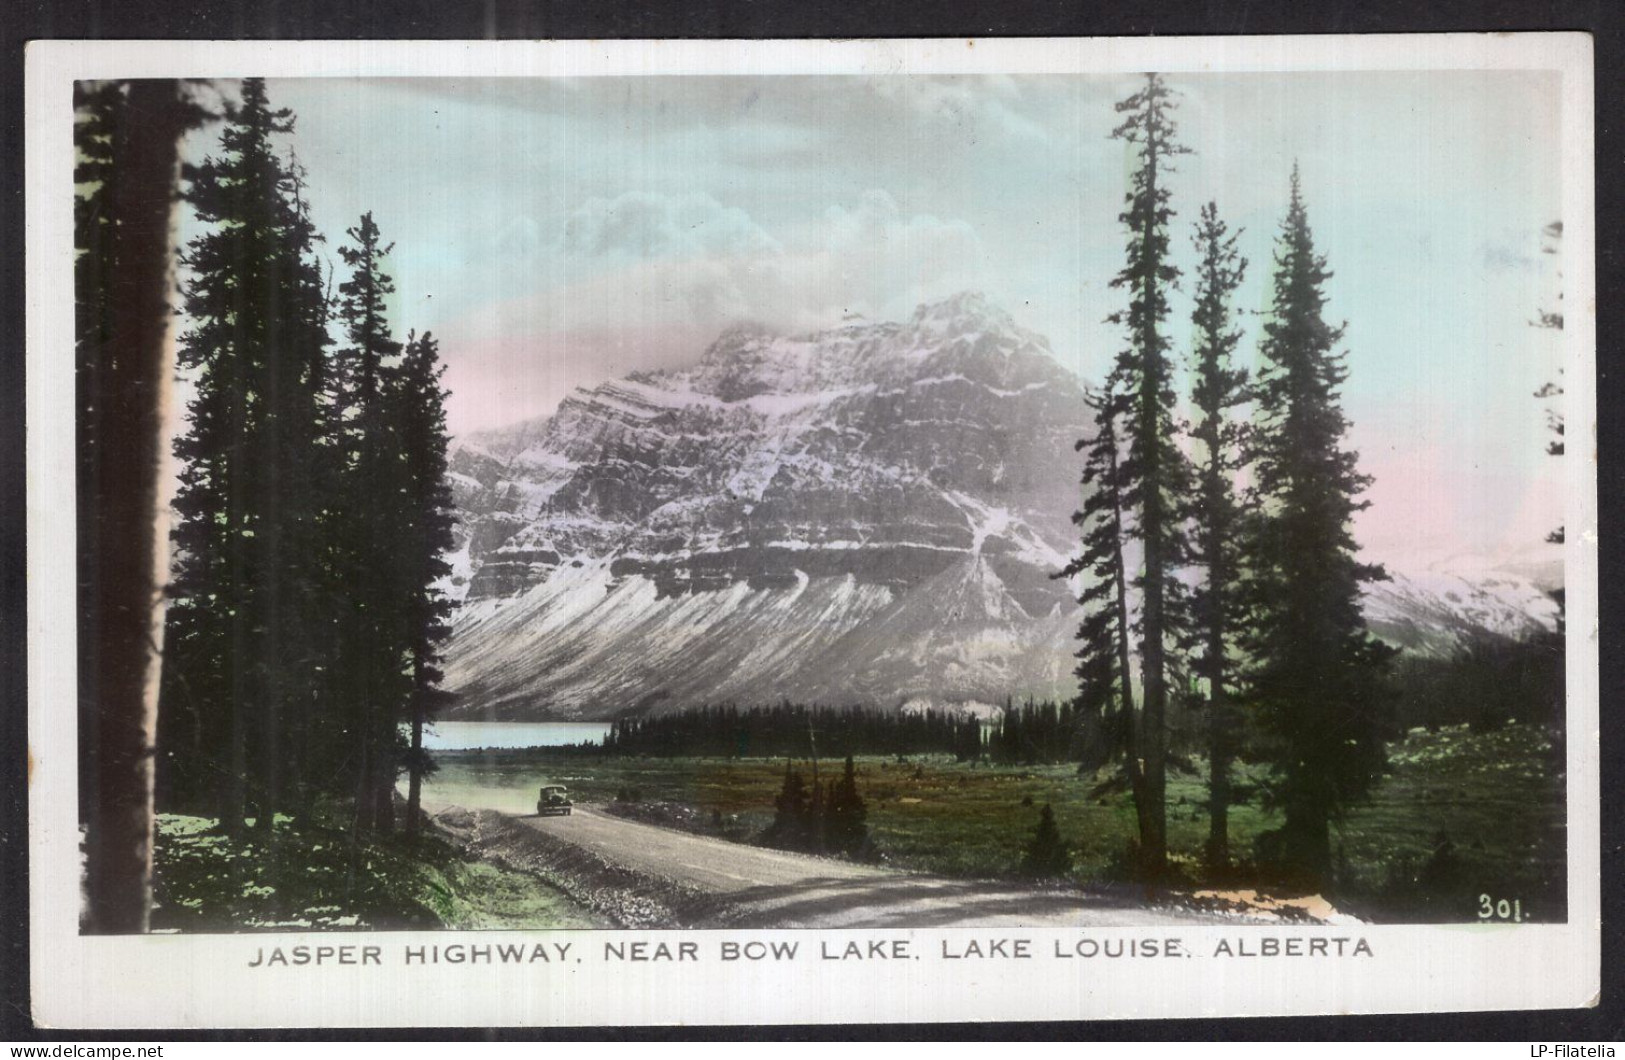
(556, 233)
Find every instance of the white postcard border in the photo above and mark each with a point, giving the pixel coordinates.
(179, 981)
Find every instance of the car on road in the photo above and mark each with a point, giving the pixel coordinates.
(553, 801)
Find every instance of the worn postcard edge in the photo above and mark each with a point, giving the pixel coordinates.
(179, 981)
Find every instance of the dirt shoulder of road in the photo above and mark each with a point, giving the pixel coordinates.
(622, 896)
(636, 875)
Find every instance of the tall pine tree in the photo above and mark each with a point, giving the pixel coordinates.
(1217, 609)
(369, 512)
(1154, 474)
(1105, 669)
(242, 655)
(1317, 675)
(416, 413)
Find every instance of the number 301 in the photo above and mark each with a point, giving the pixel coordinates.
(1505, 909)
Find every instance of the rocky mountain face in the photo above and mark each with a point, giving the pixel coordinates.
(865, 514)
(1433, 609)
(869, 514)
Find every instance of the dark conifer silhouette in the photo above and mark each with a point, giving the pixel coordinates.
(1154, 473)
(1046, 854)
(817, 817)
(243, 655)
(1316, 674)
(125, 137)
(417, 418)
(846, 830)
(781, 730)
(1217, 608)
(792, 812)
(374, 683)
(1105, 669)
(314, 511)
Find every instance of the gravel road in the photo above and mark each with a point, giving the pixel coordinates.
(770, 888)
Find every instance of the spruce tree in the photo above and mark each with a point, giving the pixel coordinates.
(309, 754)
(1154, 472)
(1317, 675)
(363, 310)
(791, 807)
(1217, 609)
(1105, 669)
(369, 518)
(1046, 854)
(847, 831)
(1011, 736)
(242, 656)
(1552, 391)
(416, 413)
(817, 818)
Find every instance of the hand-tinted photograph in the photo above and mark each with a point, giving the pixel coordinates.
(820, 501)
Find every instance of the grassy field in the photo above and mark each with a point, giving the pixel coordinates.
(1459, 815)
(207, 882)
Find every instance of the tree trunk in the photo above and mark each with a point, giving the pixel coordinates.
(131, 538)
(1220, 737)
(364, 804)
(299, 796)
(1154, 844)
(234, 805)
(1218, 836)
(1154, 742)
(1154, 841)
(1307, 843)
(269, 795)
(383, 798)
(414, 786)
(1131, 743)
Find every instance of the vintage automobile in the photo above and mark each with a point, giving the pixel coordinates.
(553, 800)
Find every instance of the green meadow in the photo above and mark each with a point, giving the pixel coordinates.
(1458, 815)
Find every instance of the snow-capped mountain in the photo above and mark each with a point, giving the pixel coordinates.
(868, 514)
(864, 514)
(1432, 609)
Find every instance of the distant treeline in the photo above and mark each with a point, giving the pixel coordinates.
(1485, 683)
(1030, 733)
(1047, 733)
(794, 729)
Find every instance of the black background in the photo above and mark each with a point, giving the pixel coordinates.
(22, 20)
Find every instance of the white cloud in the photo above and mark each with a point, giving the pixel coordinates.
(646, 261)
(965, 106)
(638, 226)
(876, 260)
(645, 280)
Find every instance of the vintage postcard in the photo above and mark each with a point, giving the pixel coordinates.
(616, 533)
